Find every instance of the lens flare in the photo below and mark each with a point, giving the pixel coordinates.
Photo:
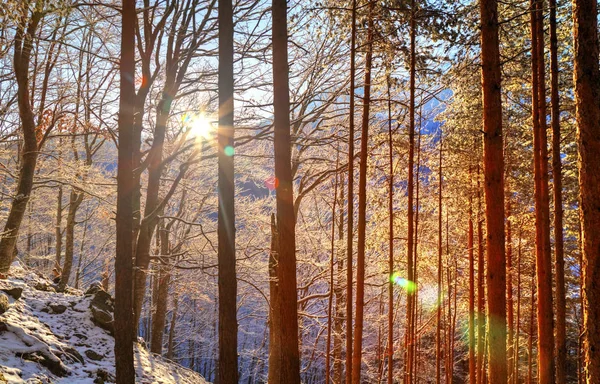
(407, 285)
(198, 126)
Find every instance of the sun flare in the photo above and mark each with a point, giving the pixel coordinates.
(200, 126)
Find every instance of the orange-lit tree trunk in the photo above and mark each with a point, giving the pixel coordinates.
(518, 327)
(509, 284)
(560, 326)
(493, 160)
(23, 45)
(438, 346)
(471, 250)
(410, 299)
(228, 357)
(338, 322)
(124, 321)
(531, 330)
(480, 287)
(542, 211)
(286, 266)
(274, 311)
(362, 208)
(587, 102)
(331, 281)
(390, 342)
(350, 214)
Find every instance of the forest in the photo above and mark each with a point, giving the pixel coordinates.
(297, 191)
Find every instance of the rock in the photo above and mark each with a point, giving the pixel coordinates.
(42, 286)
(103, 307)
(95, 287)
(93, 355)
(14, 292)
(58, 308)
(55, 366)
(4, 304)
(103, 377)
(73, 355)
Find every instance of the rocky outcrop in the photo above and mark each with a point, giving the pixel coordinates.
(4, 304)
(102, 307)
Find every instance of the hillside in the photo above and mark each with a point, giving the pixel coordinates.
(50, 337)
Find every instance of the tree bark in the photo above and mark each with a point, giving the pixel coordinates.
(362, 209)
(587, 103)
(560, 326)
(23, 44)
(75, 200)
(331, 281)
(350, 231)
(228, 360)
(545, 309)
(286, 268)
(390, 341)
(493, 160)
(410, 212)
(162, 297)
(124, 321)
(471, 250)
(274, 309)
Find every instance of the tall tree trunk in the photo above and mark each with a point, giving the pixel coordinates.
(531, 330)
(58, 230)
(509, 285)
(471, 250)
(171, 342)
(493, 160)
(274, 309)
(390, 341)
(286, 267)
(438, 346)
(587, 102)
(542, 211)
(338, 321)
(162, 297)
(518, 325)
(410, 215)
(480, 287)
(362, 208)
(350, 231)
(75, 200)
(561, 327)
(23, 44)
(331, 281)
(124, 322)
(415, 307)
(228, 359)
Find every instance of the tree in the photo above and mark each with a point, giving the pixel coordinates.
(286, 267)
(560, 326)
(493, 160)
(362, 207)
(27, 26)
(228, 369)
(587, 102)
(542, 212)
(124, 321)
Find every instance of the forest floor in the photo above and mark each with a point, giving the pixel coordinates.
(50, 337)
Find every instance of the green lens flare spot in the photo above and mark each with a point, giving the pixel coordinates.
(407, 285)
(229, 151)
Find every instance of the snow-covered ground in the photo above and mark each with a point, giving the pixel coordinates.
(38, 344)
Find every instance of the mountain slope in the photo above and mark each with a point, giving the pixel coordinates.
(50, 337)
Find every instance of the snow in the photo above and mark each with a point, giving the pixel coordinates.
(40, 346)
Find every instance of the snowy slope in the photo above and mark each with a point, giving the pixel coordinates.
(38, 344)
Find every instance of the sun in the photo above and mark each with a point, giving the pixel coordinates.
(201, 127)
